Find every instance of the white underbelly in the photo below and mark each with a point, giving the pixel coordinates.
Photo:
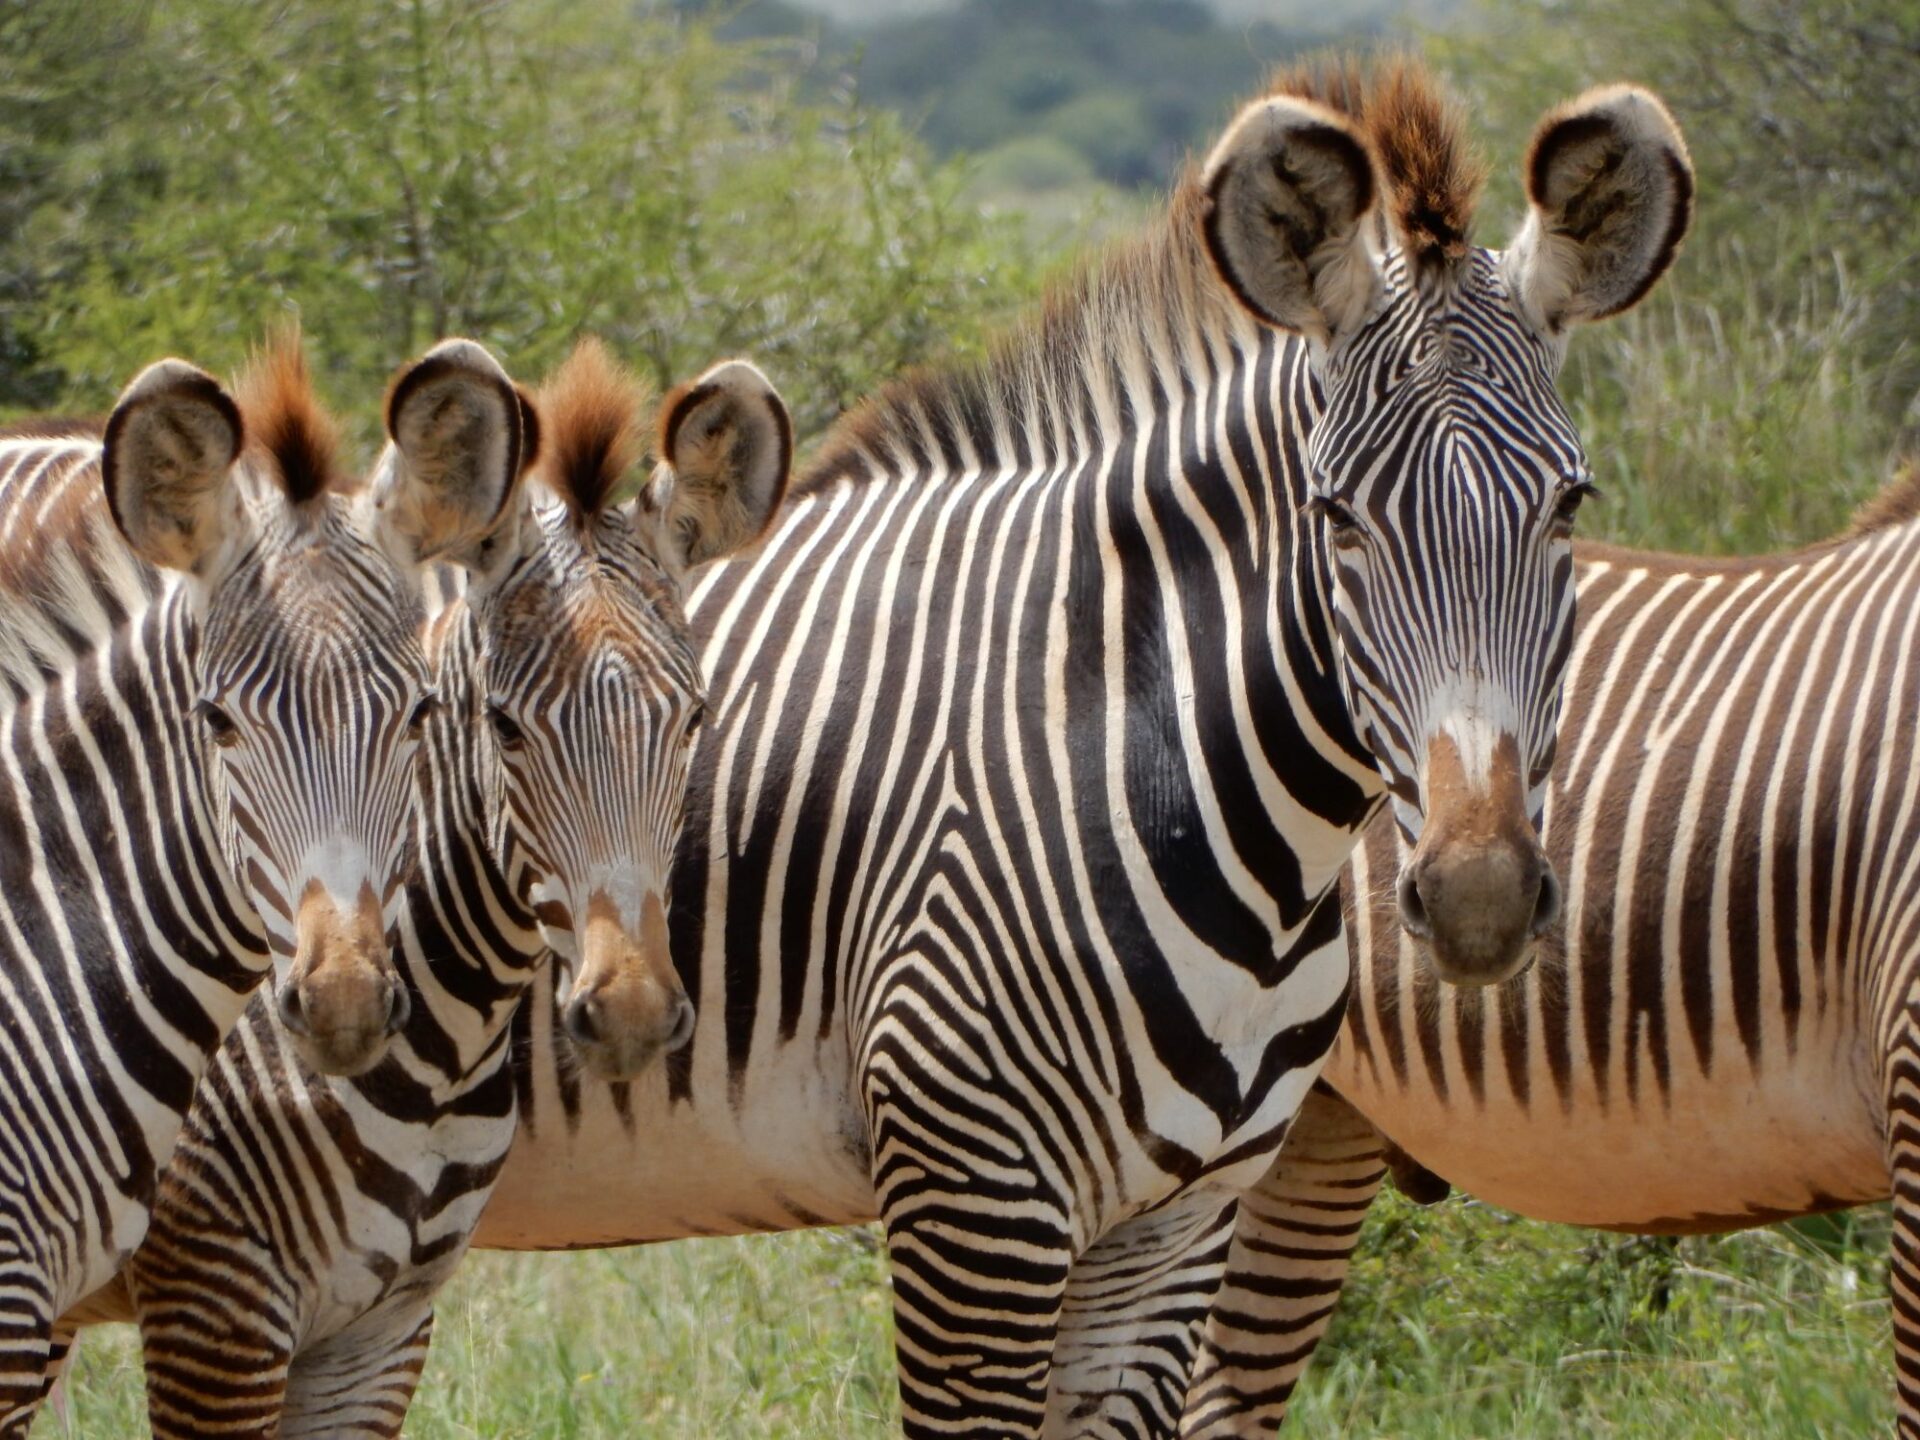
(1711, 1154)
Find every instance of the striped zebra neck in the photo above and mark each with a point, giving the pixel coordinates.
(68, 580)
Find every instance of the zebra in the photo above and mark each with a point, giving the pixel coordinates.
(1726, 1033)
(214, 686)
(1047, 715)
(303, 1226)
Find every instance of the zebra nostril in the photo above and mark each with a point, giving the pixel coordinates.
(1413, 909)
(399, 1007)
(1546, 907)
(293, 1014)
(682, 1025)
(582, 1024)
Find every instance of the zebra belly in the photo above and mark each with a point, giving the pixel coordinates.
(1716, 1152)
(628, 1164)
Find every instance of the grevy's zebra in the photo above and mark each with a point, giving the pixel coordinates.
(303, 1226)
(1728, 1032)
(1050, 712)
(205, 766)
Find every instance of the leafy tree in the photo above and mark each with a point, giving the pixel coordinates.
(1767, 389)
(520, 173)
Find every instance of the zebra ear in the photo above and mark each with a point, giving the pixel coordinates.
(167, 463)
(461, 435)
(1288, 193)
(726, 447)
(1611, 192)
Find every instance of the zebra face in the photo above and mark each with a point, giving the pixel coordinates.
(590, 691)
(310, 684)
(1445, 477)
(1442, 471)
(313, 693)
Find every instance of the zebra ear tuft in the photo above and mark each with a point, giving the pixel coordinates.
(171, 445)
(462, 434)
(726, 447)
(1288, 194)
(1611, 192)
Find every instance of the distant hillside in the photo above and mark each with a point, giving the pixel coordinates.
(1055, 97)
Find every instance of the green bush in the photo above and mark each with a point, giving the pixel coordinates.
(392, 173)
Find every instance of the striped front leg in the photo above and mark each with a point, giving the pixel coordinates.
(1292, 1244)
(26, 1333)
(1902, 1081)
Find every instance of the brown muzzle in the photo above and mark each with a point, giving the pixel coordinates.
(628, 1007)
(342, 1001)
(1479, 889)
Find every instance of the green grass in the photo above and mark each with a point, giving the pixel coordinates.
(1461, 1322)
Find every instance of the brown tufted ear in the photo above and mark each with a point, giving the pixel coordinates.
(1612, 194)
(726, 446)
(171, 445)
(462, 434)
(1289, 189)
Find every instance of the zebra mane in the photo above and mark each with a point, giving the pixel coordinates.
(590, 416)
(285, 421)
(1897, 502)
(1095, 329)
(1432, 173)
(1156, 294)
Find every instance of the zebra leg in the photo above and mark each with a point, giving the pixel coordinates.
(357, 1384)
(1903, 1264)
(216, 1357)
(1292, 1243)
(980, 1247)
(26, 1339)
(1133, 1308)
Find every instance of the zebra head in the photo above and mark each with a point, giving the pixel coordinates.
(311, 684)
(588, 686)
(1442, 473)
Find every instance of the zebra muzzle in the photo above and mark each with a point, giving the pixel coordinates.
(628, 1007)
(343, 1000)
(1479, 889)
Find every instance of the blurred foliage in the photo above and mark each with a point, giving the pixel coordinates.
(1056, 95)
(1768, 385)
(517, 172)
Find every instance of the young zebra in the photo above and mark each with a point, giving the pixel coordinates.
(1050, 712)
(215, 687)
(1728, 1031)
(303, 1228)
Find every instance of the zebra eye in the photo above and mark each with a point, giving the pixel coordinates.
(696, 716)
(1342, 523)
(505, 729)
(417, 721)
(219, 724)
(1568, 505)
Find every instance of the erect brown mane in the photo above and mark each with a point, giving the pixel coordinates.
(590, 418)
(1897, 502)
(1433, 176)
(284, 419)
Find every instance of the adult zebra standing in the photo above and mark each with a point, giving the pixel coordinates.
(1050, 711)
(1728, 1031)
(303, 1227)
(215, 684)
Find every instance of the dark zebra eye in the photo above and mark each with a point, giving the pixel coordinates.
(696, 716)
(219, 724)
(1342, 523)
(1568, 505)
(417, 721)
(505, 728)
